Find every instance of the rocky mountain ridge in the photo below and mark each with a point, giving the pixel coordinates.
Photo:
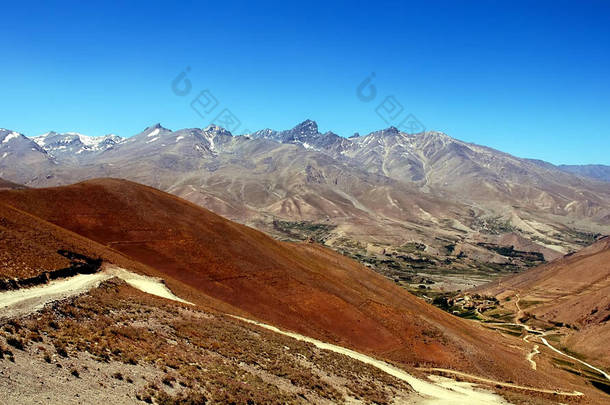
(383, 191)
(72, 146)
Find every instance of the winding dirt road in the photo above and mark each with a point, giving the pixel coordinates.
(602, 372)
(503, 384)
(542, 334)
(530, 355)
(23, 301)
(439, 390)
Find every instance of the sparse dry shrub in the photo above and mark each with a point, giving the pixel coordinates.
(16, 342)
(16, 324)
(172, 363)
(61, 349)
(184, 398)
(144, 395)
(168, 380)
(368, 392)
(283, 367)
(69, 311)
(192, 398)
(34, 336)
(5, 351)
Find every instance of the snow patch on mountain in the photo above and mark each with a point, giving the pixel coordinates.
(153, 132)
(11, 136)
(71, 145)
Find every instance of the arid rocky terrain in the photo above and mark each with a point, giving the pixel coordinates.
(423, 209)
(136, 347)
(423, 213)
(121, 345)
(314, 202)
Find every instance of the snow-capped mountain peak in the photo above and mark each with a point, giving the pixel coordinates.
(6, 135)
(71, 145)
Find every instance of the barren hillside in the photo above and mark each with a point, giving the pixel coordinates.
(224, 266)
(302, 287)
(573, 291)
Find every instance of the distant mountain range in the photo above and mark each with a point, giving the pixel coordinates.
(598, 172)
(465, 203)
(72, 146)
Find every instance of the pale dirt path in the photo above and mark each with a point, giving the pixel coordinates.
(606, 375)
(26, 300)
(535, 349)
(150, 285)
(503, 384)
(441, 391)
(519, 313)
(530, 355)
(546, 343)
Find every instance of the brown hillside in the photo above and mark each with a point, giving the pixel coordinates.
(29, 246)
(302, 287)
(573, 290)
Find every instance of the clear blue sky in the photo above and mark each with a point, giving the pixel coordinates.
(531, 78)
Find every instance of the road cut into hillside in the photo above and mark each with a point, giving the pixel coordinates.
(439, 390)
(23, 301)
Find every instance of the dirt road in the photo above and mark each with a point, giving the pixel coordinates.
(23, 301)
(606, 375)
(26, 300)
(541, 335)
(503, 384)
(441, 391)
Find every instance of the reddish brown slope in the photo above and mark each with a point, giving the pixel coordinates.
(304, 287)
(574, 290)
(29, 246)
